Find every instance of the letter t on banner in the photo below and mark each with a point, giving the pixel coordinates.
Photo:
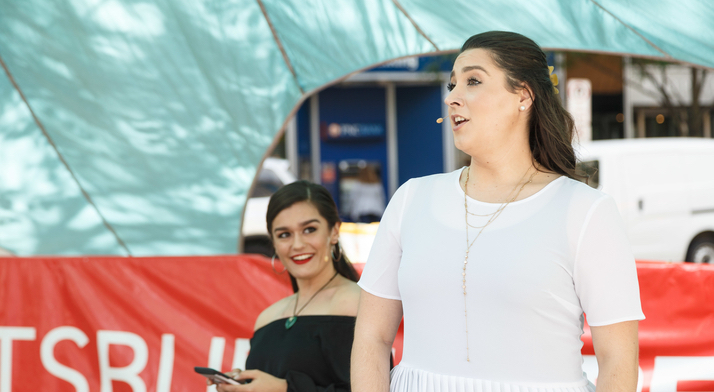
(128, 374)
(7, 335)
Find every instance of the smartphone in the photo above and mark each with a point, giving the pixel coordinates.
(216, 376)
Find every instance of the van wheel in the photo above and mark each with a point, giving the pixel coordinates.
(702, 249)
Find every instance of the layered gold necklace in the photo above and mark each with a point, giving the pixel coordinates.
(469, 243)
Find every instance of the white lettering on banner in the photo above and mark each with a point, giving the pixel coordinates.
(128, 374)
(668, 370)
(215, 356)
(166, 363)
(240, 353)
(215, 353)
(591, 371)
(47, 356)
(7, 335)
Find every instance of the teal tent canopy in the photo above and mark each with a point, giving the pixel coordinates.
(136, 127)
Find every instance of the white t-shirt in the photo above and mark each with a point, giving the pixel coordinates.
(531, 274)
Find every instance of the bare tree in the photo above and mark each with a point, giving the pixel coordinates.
(695, 120)
(686, 118)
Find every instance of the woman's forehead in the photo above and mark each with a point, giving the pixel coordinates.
(299, 212)
(473, 59)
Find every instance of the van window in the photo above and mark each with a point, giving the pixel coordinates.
(268, 183)
(592, 170)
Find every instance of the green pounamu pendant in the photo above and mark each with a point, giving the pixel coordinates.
(290, 322)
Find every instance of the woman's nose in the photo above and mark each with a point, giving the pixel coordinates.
(298, 242)
(452, 99)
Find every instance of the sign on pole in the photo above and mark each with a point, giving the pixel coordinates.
(580, 107)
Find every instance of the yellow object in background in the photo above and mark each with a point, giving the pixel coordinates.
(356, 240)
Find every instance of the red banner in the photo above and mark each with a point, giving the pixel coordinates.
(141, 324)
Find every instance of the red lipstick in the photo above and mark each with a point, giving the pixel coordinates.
(303, 261)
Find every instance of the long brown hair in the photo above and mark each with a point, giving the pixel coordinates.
(319, 197)
(550, 125)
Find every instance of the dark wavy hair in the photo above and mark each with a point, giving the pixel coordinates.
(551, 127)
(319, 197)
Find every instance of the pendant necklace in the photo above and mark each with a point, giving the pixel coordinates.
(469, 243)
(292, 319)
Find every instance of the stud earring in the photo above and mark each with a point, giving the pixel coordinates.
(522, 108)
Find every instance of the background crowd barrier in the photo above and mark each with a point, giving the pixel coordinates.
(141, 324)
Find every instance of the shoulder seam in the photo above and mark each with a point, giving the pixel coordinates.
(586, 221)
(407, 185)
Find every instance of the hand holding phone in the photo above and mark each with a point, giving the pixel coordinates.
(216, 376)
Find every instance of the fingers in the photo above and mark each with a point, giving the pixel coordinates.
(226, 387)
(229, 388)
(234, 374)
(248, 374)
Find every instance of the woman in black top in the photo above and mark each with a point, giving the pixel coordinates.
(303, 341)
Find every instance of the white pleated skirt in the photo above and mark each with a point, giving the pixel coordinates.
(408, 379)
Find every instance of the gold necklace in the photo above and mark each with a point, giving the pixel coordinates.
(292, 319)
(469, 244)
(502, 206)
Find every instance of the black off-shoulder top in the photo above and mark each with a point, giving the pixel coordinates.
(313, 355)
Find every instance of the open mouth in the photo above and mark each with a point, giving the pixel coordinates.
(458, 120)
(302, 259)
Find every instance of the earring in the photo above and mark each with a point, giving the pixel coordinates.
(272, 264)
(338, 247)
(522, 108)
(327, 256)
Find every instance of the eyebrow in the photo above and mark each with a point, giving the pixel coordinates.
(301, 224)
(471, 68)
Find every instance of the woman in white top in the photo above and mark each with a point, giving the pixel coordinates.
(494, 266)
(367, 196)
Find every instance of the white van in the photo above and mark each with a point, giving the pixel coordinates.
(664, 189)
(273, 174)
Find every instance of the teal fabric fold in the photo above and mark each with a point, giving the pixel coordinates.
(163, 110)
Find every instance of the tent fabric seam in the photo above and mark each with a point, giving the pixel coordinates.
(657, 48)
(280, 44)
(61, 157)
(414, 23)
